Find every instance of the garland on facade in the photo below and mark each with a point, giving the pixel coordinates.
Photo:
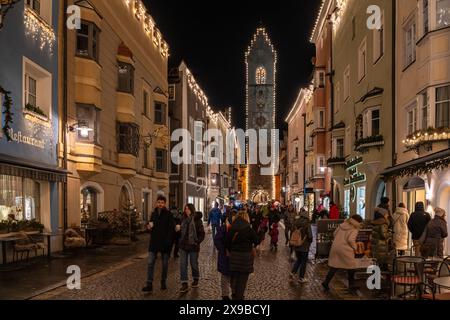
(7, 104)
(5, 6)
(424, 168)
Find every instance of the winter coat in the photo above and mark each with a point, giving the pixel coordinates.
(223, 262)
(305, 228)
(418, 221)
(274, 233)
(434, 240)
(342, 253)
(401, 233)
(215, 217)
(289, 219)
(240, 242)
(200, 230)
(255, 220)
(382, 240)
(274, 217)
(334, 213)
(163, 231)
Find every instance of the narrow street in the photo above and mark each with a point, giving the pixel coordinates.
(270, 281)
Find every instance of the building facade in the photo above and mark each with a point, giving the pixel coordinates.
(117, 97)
(261, 64)
(30, 174)
(325, 154)
(296, 151)
(421, 171)
(363, 103)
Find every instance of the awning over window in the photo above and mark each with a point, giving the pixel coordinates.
(15, 167)
(435, 161)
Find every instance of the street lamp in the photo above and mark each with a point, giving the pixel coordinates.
(82, 128)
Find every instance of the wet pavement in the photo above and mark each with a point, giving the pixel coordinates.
(124, 280)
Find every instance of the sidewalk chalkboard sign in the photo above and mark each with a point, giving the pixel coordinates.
(328, 226)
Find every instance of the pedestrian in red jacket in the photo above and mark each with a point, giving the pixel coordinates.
(334, 212)
(274, 237)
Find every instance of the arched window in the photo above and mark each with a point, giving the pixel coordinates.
(261, 75)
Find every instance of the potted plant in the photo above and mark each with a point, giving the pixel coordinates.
(31, 226)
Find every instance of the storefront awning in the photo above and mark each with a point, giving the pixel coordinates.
(16, 167)
(420, 166)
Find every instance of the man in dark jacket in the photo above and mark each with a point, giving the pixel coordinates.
(417, 222)
(214, 219)
(162, 229)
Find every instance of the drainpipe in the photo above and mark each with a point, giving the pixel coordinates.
(332, 102)
(65, 116)
(394, 92)
(304, 158)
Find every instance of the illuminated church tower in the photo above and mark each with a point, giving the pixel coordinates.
(261, 62)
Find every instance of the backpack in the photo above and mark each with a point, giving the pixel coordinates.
(297, 239)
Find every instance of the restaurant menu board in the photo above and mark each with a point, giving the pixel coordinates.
(364, 247)
(325, 236)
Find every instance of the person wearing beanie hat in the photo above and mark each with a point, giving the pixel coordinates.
(436, 232)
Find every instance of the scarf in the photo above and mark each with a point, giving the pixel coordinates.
(188, 231)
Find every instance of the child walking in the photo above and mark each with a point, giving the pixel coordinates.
(274, 237)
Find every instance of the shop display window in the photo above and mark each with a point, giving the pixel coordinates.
(19, 197)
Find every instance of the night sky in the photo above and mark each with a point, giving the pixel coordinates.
(212, 37)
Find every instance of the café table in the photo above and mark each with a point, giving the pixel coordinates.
(4, 241)
(442, 282)
(49, 242)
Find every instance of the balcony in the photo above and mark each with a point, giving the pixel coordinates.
(88, 157)
(363, 145)
(426, 138)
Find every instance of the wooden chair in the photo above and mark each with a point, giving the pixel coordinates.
(23, 246)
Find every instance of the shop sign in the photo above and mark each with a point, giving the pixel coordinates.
(353, 163)
(355, 178)
(18, 137)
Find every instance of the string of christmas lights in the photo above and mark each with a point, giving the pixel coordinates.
(38, 29)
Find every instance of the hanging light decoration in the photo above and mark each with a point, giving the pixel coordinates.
(38, 29)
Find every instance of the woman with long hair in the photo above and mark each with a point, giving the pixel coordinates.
(192, 235)
(241, 243)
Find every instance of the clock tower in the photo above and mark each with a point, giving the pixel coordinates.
(261, 62)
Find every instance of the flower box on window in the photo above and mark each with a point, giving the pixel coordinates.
(35, 111)
(426, 137)
(369, 142)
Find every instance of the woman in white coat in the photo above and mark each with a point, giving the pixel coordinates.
(342, 253)
(401, 232)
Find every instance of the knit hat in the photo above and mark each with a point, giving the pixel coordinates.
(439, 212)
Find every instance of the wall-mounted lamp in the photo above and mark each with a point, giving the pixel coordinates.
(82, 128)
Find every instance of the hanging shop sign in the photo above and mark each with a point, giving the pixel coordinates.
(355, 176)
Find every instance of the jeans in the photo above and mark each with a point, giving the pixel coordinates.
(185, 257)
(225, 282)
(350, 274)
(238, 285)
(151, 266)
(287, 232)
(214, 229)
(301, 264)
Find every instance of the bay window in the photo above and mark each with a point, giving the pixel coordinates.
(87, 41)
(126, 78)
(442, 13)
(161, 160)
(410, 44)
(424, 113)
(89, 116)
(443, 107)
(412, 118)
(128, 138)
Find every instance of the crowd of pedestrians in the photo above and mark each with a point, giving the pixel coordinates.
(237, 233)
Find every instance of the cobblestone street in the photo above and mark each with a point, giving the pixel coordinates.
(270, 281)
